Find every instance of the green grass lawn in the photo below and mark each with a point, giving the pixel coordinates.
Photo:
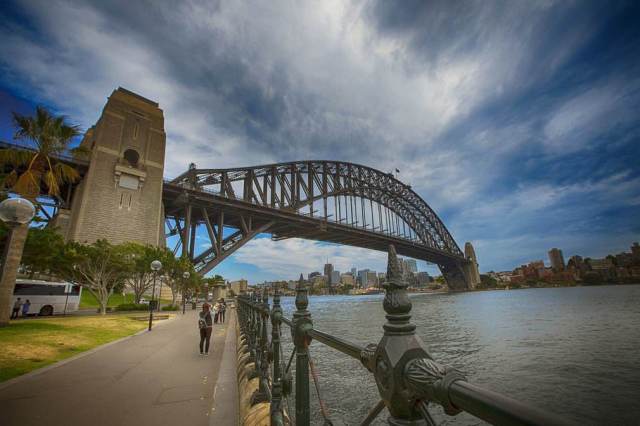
(33, 343)
(88, 301)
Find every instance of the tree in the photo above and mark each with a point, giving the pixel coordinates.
(140, 257)
(487, 282)
(100, 267)
(41, 251)
(174, 270)
(30, 170)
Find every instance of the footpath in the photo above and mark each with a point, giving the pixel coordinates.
(152, 378)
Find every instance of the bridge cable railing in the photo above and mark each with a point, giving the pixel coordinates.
(407, 377)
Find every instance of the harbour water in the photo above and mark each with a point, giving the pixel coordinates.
(574, 351)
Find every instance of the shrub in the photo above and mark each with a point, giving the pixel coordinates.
(132, 307)
(170, 308)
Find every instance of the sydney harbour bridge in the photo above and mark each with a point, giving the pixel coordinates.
(123, 196)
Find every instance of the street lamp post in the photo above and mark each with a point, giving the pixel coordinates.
(155, 267)
(185, 276)
(16, 213)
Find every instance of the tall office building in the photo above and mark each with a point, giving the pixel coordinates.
(335, 278)
(328, 270)
(556, 259)
(362, 277)
(354, 272)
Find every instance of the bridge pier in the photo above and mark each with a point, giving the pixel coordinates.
(457, 275)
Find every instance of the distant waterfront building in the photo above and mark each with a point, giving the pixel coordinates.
(354, 272)
(313, 274)
(362, 277)
(372, 279)
(412, 265)
(318, 282)
(328, 270)
(533, 271)
(604, 264)
(556, 259)
(635, 251)
(347, 279)
(335, 278)
(367, 278)
(239, 287)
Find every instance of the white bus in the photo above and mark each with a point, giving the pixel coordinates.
(47, 298)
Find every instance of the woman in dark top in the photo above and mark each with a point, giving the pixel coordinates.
(205, 323)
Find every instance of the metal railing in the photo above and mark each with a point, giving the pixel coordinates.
(407, 377)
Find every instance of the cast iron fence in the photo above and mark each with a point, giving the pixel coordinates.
(407, 377)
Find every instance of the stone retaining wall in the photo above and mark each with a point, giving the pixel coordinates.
(250, 415)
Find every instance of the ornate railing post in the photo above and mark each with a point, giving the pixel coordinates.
(396, 358)
(277, 417)
(302, 324)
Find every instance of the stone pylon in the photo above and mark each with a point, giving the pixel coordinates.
(120, 197)
(473, 269)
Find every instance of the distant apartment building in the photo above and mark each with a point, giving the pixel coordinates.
(601, 264)
(531, 271)
(319, 281)
(347, 279)
(239, 287)
(313, 274)
(635, 252)
(372, 279)
(556, 259)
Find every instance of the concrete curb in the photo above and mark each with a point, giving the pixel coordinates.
(225, 408)
(60, 363)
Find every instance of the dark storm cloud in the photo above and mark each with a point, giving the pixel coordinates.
(493, 111)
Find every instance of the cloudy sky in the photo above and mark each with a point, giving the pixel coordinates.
(516, 121)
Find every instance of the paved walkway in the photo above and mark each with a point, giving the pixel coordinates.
(154, 378)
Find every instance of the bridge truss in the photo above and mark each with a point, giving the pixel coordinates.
(329, 201)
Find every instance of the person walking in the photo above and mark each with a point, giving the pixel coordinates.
(25, 308)
(216, 312)
(205, 323)
(223, 309)
(16, 308)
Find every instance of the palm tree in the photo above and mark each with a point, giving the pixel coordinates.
(32, 169)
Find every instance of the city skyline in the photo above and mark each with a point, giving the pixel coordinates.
(518, 131)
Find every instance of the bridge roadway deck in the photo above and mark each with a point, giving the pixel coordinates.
(153, 378)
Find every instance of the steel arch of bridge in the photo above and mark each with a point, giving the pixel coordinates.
(307, 199)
